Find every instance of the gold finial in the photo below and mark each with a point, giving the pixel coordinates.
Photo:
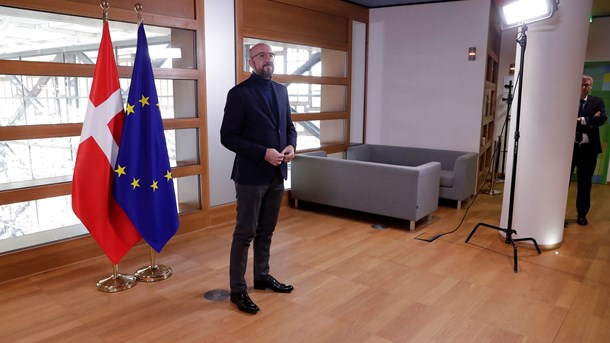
(138, 8)
(105, 5)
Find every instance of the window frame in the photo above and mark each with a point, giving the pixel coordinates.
(242, 75)
(61, 186)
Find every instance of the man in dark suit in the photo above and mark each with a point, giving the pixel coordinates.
(591, 115)
(257, 126)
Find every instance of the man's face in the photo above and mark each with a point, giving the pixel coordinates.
(585, 88)
(261, 60)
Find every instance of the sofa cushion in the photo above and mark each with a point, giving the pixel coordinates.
(447, 178)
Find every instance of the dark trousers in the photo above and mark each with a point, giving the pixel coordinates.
(584, 159)
(258, 208)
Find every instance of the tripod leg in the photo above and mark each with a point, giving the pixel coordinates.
(472, 232)
(486, 225)
(530, 239)
(515, 256)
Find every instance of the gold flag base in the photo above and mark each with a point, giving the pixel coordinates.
(116, 282)
(155, 273)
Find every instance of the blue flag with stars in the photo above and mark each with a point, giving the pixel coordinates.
(143, 182)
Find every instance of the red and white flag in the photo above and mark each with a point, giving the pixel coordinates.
(92, 199)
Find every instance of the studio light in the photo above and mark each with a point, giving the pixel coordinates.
(518, 12)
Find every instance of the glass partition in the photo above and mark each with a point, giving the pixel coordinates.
(48, 37)
(38, 106)
(37, 159)
(316, 98)
(295, 59)
(51, 160)
(31, 223)
(38, 100)
(314, 134)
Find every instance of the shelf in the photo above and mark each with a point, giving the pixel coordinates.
(488, 108)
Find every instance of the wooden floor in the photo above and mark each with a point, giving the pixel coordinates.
(352, 283)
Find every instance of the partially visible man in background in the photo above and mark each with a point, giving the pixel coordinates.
(587, 145)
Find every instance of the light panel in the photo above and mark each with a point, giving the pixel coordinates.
(519, 12)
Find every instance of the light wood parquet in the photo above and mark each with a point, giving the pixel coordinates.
(352, 283)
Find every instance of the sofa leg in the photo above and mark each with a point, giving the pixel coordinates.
(296, 203)
(411, 225)
(459, 204)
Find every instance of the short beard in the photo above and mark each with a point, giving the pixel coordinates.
(264, 73)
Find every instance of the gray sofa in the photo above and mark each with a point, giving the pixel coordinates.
(406, 192)
(458, 176)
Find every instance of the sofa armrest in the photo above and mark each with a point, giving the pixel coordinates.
(428, 188)
(359, 152)
(465, 175)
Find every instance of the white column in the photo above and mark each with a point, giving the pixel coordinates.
(219, 22)
(554, 61)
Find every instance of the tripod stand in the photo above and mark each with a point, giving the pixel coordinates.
(522, 40)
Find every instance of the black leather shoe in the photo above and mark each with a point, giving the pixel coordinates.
(269, 282)
(582, 221)
(243, 302)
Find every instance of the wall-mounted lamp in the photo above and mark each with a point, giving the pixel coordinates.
(511, 69)
(472, 54)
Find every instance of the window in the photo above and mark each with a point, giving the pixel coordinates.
(46, 109)
(49, 37)
(317, 89)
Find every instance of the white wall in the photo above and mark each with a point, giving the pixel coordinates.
(422, 90)
(220, 77)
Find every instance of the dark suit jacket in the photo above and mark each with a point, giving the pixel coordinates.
(591, 128)
(249, 127)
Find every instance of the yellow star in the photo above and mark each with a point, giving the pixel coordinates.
(144, 100)
(168, 175)
(130, 109)
(154, 186)
(135, 183)
(120, 171)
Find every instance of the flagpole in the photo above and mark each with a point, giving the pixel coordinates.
(116, 282)
(138, 8)
(154, 272)
(105, 5)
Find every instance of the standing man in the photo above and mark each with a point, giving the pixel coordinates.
(591, 115)
(257, 126)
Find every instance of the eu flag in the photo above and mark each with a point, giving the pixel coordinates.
(143, 182)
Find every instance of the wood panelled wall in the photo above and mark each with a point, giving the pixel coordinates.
(318, 23)
(321, 23)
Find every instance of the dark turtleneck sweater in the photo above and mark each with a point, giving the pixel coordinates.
(265, 87)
